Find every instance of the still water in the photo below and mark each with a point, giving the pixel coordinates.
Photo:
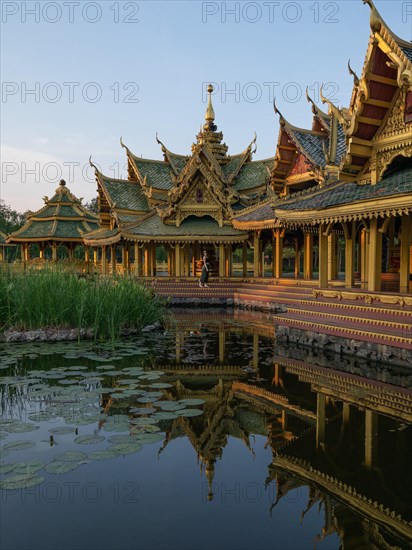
(207, 435)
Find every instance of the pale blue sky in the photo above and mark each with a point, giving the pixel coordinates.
(164, 56)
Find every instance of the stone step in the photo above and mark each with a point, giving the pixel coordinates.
(393, 337)
(387, 321)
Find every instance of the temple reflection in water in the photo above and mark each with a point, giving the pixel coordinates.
(339, 428)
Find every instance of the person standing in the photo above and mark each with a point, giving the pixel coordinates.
(204, 277)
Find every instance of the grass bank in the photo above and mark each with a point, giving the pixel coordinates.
(57, 299)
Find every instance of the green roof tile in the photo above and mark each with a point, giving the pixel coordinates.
(157, 172)
(126, 195)
(394, 184)
(191, 226)
(178, 161)
(253, 174)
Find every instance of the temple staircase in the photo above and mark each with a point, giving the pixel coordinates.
(380, 318)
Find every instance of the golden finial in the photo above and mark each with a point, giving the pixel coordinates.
(352, 73)
(210, 113)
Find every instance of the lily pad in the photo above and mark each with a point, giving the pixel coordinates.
(89, 439)
(144, 421)
(165, 415)
(19, 445)
(28, 468)
(61, 467)
(127, 448)
(192, 402)
(22, 427)
(20, 482)
(189, 412)
(70, 456)
(105, 454)
(7, 468)
(116, 439)
(172, 406)
(62, 430)
(149, 438)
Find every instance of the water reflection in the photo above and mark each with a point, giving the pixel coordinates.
(322, 433)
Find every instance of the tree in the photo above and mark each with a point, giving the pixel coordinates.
(10, 220)
(92, 205)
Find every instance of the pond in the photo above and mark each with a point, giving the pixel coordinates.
(205, 435)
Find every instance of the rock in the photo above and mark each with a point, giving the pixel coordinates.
(46, 335)
(153, 328)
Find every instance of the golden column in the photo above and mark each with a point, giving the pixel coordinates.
(222, 260)
(364, 243)
(125, 258)
(104, 260)
(405, 253)
(1, 254)
(137, 259)
(244, 259)
(222, 342)
(279, 254)
(350, 233)
(113, 260)
(308, 256)
(332, 257)
(375, 256)
(177, 260)
(228, 262)
(146, 260)
(371, 438)
(256, 254)
(54, 252)
(297, 258)
(323, 257)
(320, 418)
(255, 362)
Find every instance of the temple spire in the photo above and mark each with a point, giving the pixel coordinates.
(210, 113)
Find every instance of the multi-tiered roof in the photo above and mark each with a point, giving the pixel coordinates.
(63, 218)
(192, 197)
(354, 162)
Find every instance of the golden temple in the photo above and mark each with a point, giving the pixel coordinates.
(336, 197)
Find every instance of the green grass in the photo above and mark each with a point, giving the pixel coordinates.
(58, 299)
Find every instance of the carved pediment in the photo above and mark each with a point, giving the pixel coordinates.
(199, 201)
(395, 124)
(197, 197)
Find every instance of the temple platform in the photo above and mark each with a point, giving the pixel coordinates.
(372, 324)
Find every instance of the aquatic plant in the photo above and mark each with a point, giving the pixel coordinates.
(58, 299)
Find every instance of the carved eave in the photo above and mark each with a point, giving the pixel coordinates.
(362, 210)
(154, 196)
(103, 200)
(315, 168)
(170, 157)
(245, 156)
(385, 71)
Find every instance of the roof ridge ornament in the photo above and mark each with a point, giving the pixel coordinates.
(281, 117)
(93, 165)
(122, 144)
(334, 110)
(375, 18)
(355, 76)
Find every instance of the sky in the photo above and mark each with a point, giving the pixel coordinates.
(76, 75)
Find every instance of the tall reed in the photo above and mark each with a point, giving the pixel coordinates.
(58, 299)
